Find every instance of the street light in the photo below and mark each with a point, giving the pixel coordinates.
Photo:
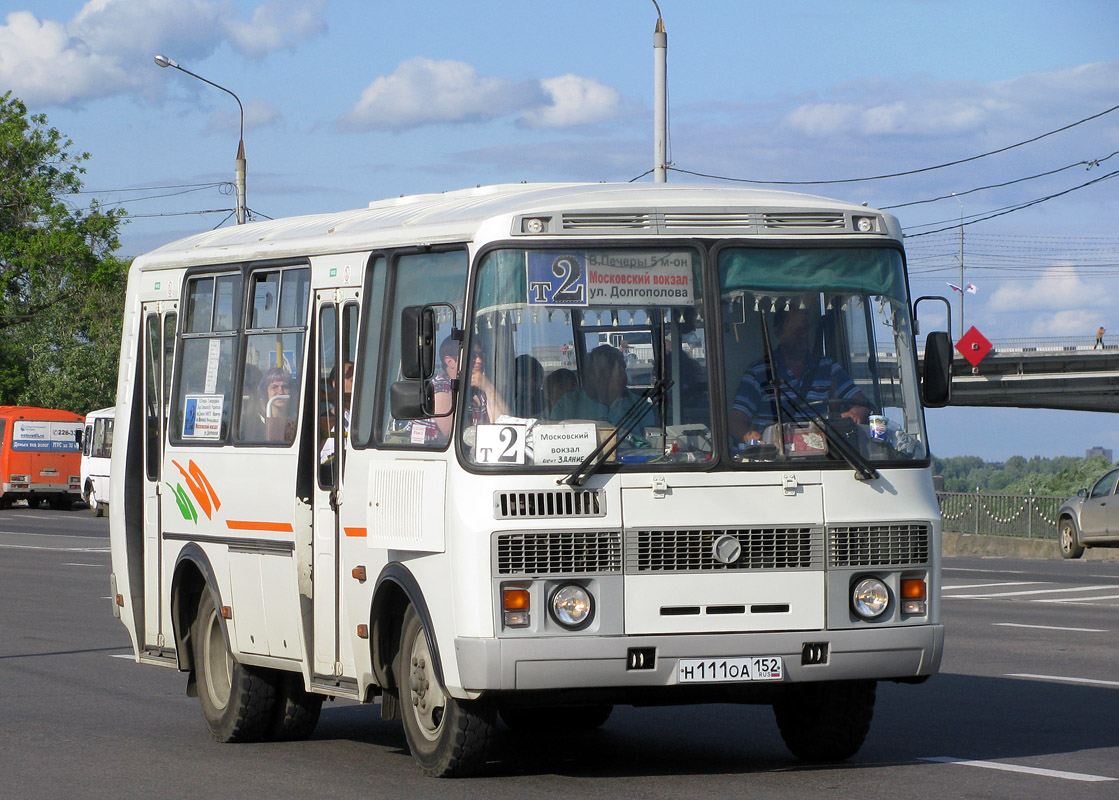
(239, 169)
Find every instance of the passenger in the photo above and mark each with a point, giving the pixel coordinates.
(605, 394)
(816, 378)
(558, 384)
(528, 387)
(485, 404)
(271, 419)
(327, 451)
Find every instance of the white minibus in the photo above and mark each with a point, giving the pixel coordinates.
(393, 455)
(97, 448)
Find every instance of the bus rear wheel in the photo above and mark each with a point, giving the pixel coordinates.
(238, 702)
(825, 721)
(449, 738)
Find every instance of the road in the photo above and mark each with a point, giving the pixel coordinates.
(1027, 704)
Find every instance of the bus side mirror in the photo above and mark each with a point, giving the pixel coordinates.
(936, 383)
(412, 399)
(417, 343)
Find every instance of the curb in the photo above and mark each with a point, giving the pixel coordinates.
(971, 544)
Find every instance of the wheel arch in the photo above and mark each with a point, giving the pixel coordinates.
(396, 589)
(193, 575)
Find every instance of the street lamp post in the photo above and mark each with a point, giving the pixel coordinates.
(239, 168)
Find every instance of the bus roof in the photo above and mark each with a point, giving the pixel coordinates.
(486, 212)
(34, 413)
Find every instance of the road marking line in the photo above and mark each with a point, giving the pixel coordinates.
(1061, 679)
(993, 571)
(55, 549)
(988, 585)
(1078, 599)
(73, 564)
(1029, 591)
(129, 656)
(1049, 627)
(1048, 773)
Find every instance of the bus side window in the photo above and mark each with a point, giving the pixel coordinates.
(201, 407)
(272, 361)
(422, 278)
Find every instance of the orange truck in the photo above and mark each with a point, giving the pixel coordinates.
(40, 456)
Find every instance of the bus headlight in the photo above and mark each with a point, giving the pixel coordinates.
(572, 606)
(870, 598)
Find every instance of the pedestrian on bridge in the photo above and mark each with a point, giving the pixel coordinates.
(1099, 338)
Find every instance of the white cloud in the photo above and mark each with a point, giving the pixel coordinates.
(423, 91)
(50, 62)
(277, 25)
(575, 101)
(1058, 290)
(1071, 322)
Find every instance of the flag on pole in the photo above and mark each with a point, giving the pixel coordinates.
(971, 288)
(955, 288)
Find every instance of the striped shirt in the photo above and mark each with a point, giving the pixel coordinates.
(821, 380)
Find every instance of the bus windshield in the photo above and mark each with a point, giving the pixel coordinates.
(570, 347)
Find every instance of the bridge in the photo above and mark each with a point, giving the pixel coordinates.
(1051, 372)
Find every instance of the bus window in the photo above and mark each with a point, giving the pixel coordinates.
(203, 396)
(273, 355)
(425, 278)
(365, 392)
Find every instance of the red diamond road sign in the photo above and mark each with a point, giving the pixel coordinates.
(973, 346)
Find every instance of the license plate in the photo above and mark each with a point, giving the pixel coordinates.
(724, 670)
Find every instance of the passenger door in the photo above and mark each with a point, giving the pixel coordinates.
(160, 320)
(336, 317)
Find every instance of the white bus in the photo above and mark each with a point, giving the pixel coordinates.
(97, 448)
(311, 499)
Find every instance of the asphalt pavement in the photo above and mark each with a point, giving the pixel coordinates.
(1025, 706)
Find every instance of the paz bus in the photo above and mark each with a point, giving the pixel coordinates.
(40, 456)
(390, 455)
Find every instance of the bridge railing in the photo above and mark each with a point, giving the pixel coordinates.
(1029, 515)
(1042, 344)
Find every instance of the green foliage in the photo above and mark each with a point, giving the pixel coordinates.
(1062, 475)
(61, 290)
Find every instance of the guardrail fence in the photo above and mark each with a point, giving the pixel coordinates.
(1032, 516)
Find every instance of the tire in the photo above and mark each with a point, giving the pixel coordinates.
(1069, 539)
(825, 721)
(546, 719)
(238, 702)
(449, 738)
(6, 502)
(297, 710)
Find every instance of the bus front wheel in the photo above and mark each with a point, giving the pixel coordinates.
(238, 702)
(826, 721)
(448, 737)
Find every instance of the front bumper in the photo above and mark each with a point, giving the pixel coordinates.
(585, 662)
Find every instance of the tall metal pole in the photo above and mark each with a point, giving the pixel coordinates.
(660, 100)
(239, 165)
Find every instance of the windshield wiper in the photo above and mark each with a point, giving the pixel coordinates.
(801, 407)
(629, 420)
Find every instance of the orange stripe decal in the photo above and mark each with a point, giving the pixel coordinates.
(354, 531)
(249, 525)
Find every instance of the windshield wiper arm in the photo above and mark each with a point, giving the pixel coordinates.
(629, 420)
(802, 407)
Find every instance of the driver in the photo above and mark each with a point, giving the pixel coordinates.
(816, 378)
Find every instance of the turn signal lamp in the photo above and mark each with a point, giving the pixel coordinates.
(913, 593)
(515, 604)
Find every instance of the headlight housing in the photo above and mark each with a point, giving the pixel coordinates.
(572, 606)
(870, 598)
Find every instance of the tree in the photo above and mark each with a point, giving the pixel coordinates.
(61, 290)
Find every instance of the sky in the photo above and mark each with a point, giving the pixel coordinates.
(349, 101)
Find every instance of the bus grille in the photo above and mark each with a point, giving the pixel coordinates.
(794, 220)
(559, 553)
(549, 504)
(694, 551)
(878, 545)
